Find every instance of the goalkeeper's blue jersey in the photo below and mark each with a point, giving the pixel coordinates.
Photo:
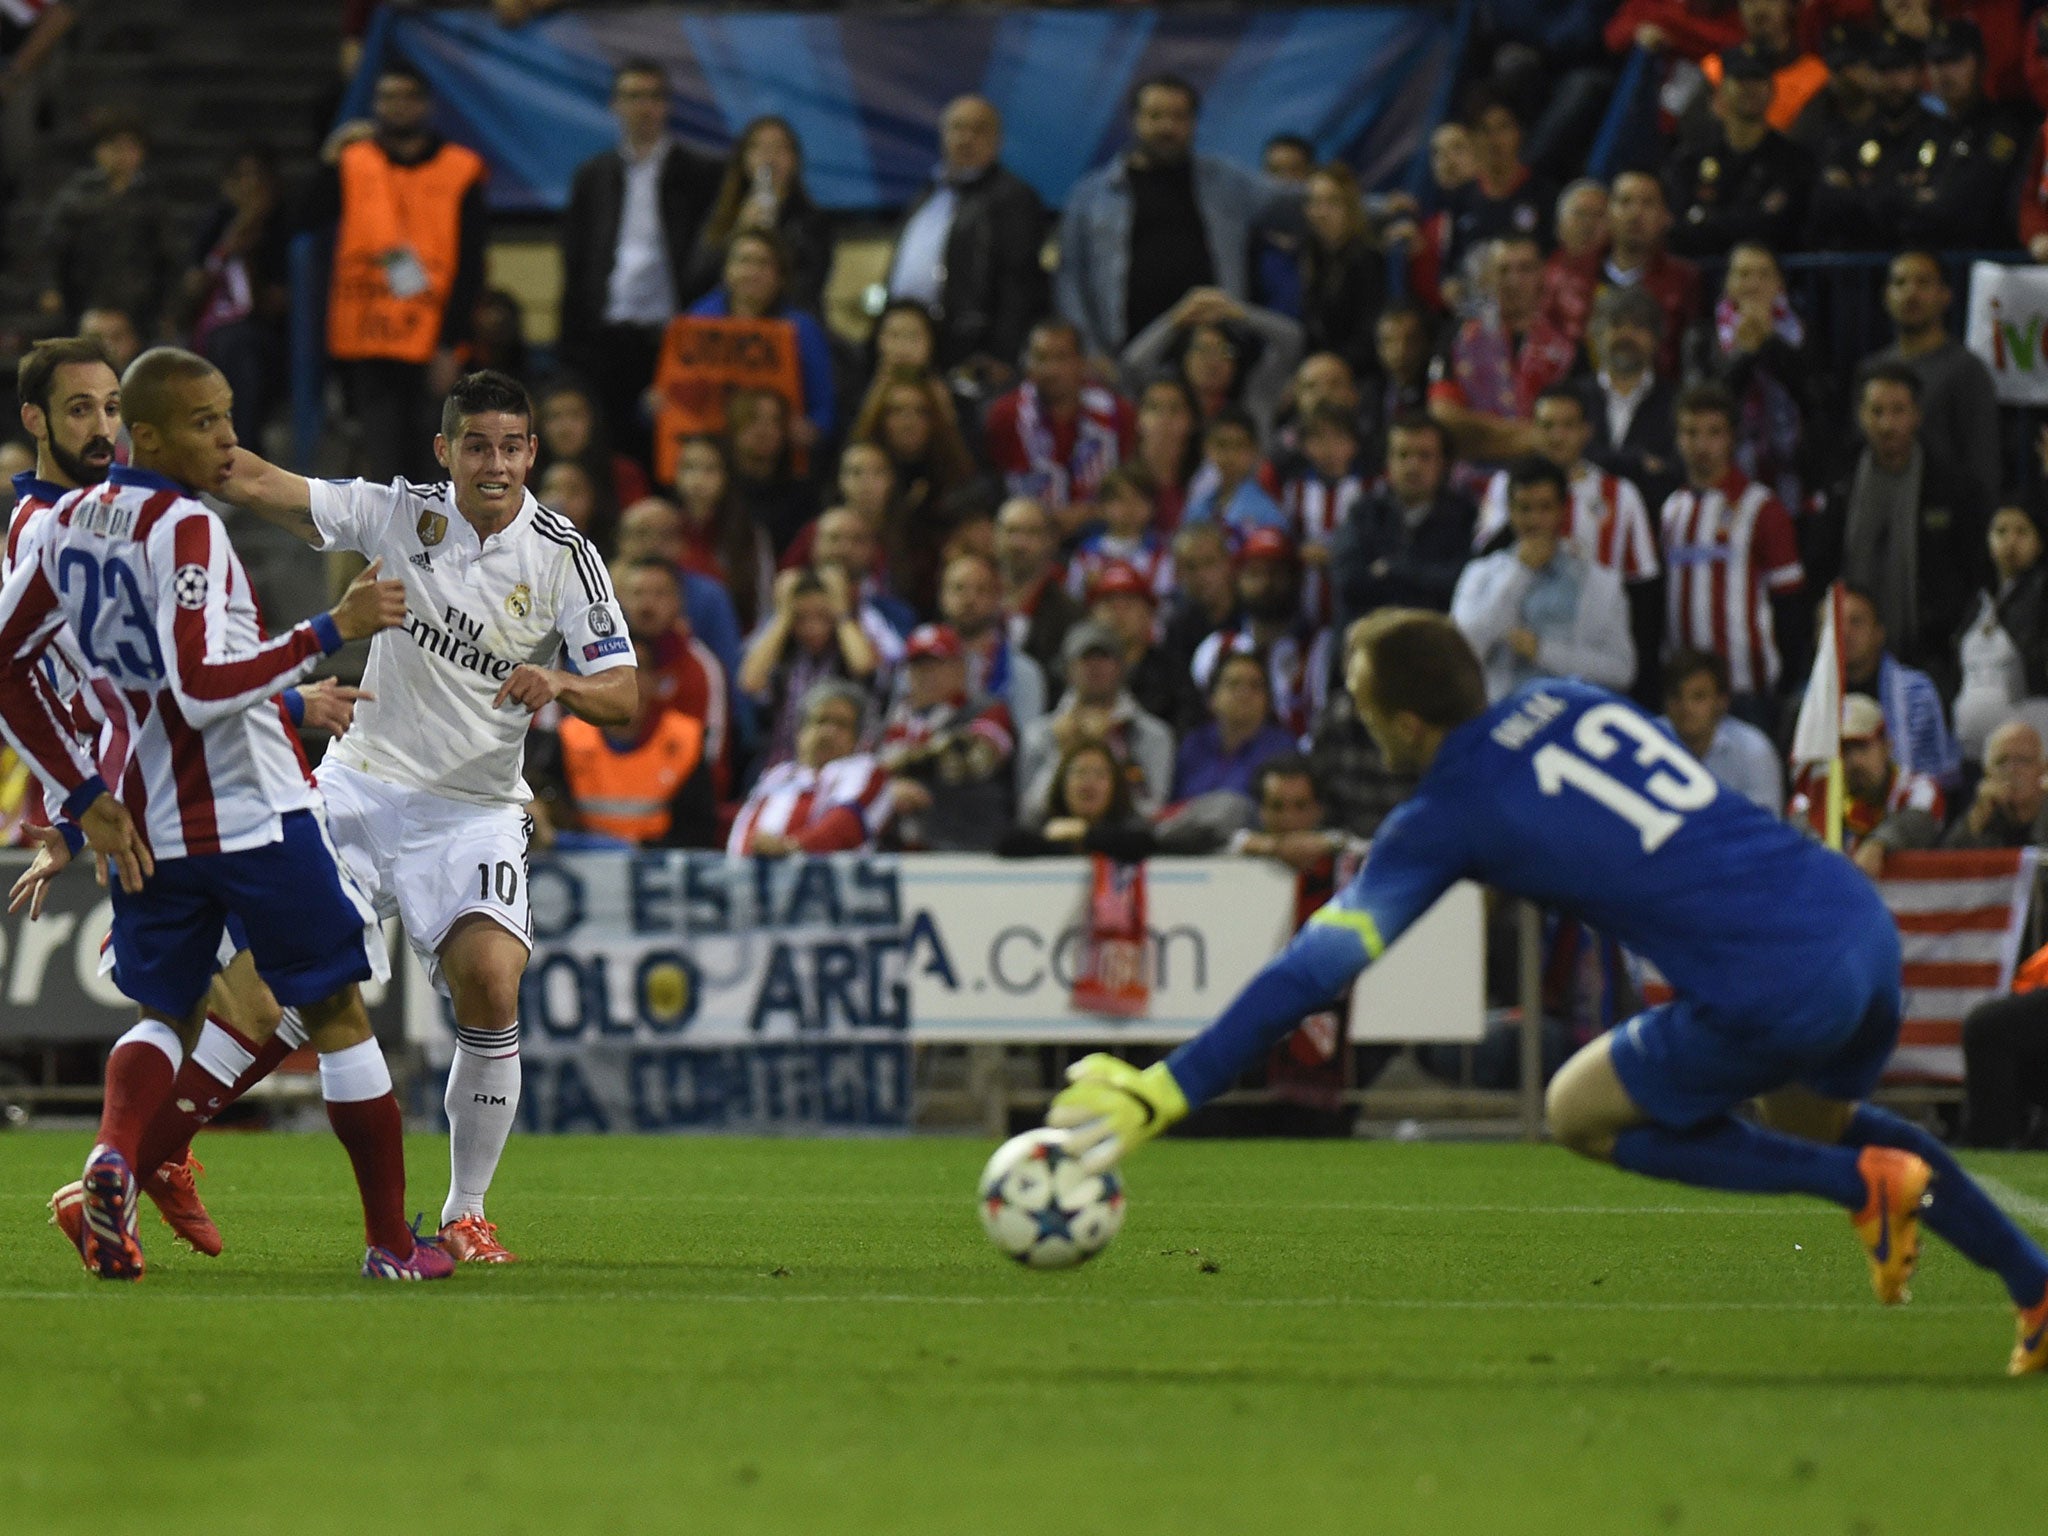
(1570, 795)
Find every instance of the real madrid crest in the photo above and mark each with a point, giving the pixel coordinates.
(519, 601)
(432, 527)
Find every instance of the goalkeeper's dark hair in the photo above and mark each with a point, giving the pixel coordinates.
(1422, 664)
(482, 391)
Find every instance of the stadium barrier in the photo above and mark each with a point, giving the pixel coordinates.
(673, 990)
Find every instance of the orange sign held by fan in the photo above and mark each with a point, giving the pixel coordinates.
(704, 359)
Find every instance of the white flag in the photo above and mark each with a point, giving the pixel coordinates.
(1817, 738)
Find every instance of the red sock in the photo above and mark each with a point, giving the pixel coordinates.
(372, 1131)
(139, 1079)
(169, 1137)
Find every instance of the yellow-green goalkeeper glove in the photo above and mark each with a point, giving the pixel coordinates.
(1110, 1108)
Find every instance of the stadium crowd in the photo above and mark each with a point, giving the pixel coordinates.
(1060, 555)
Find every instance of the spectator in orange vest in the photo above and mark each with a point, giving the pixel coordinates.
(1797, 75)
(408, 211)
(647, 783)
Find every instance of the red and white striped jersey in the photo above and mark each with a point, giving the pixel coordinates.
(1317, 509)
(1730, 549)
(63, 667)
(838, 806)
(1606, 522)
(196, 746)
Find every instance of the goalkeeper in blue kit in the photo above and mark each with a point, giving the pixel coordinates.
(1784, 961)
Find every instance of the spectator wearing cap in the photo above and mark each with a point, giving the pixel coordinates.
(1970, 204)
(1500, 360)
(1696, 700)
(1887, 808)
(2001, 651)
(1096, 706)
(830, 797)
(1159, 220)
(1225, 754)
(1796, 76)
(1128, 536)
(968, 249)
(1638, 220)
(1875, 190)
(1405, 541)
(1540, 608)
(1916, 721)
(1848, 107)
(949, 750)
(1741, 179)
(1271, 625)
(1230, 466)
(1908, 528)
(971, 604)
(1119, 598)
(1630, 404)
(1958, 401)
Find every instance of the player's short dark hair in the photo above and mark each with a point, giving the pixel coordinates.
(1565, 393)
(1888, 373)
(1708, 398)
(36, 374)
(640, 64)
(1422, 664)
(1288, 765)
(146, 386)
(1686, 664)
(1418, 421)
(1533, 470)
(1166, 81)
(1229, 416)
(485, 390)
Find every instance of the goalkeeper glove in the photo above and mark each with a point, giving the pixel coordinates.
(1109, 1108)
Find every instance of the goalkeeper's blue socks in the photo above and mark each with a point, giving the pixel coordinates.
(1957, 1209)
(1727, 1153)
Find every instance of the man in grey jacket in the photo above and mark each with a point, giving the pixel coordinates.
(1157, 221)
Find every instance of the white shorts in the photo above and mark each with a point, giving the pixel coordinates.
(430, 859)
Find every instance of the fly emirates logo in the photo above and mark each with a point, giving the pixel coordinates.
(460, 642)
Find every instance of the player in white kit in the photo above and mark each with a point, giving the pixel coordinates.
(424, 793)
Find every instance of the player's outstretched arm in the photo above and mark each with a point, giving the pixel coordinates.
(276, 495)
(1110, 1107)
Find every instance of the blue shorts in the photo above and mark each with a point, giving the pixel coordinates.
(305, 924)
(1687, 1061)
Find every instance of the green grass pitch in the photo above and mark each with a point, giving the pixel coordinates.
(812, 1337)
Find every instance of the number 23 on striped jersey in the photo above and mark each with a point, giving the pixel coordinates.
(1677, 784)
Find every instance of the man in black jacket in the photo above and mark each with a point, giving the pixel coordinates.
(1403, 545)
(633, 217)
(1904, 524)
(968, 251)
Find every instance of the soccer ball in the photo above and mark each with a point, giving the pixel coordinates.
(1041, 1209)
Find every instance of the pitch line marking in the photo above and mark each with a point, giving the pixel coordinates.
(891, 1298)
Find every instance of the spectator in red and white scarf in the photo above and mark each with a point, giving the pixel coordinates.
(830, 797)
(1056, 435)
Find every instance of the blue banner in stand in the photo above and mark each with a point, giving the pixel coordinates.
(864, 90)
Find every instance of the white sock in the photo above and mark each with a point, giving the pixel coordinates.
(354, 1074)
(221, 1055)
(482, 1102)
(157, 1033)
(291, 1029)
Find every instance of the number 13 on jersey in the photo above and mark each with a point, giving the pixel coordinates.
(1657, 810)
